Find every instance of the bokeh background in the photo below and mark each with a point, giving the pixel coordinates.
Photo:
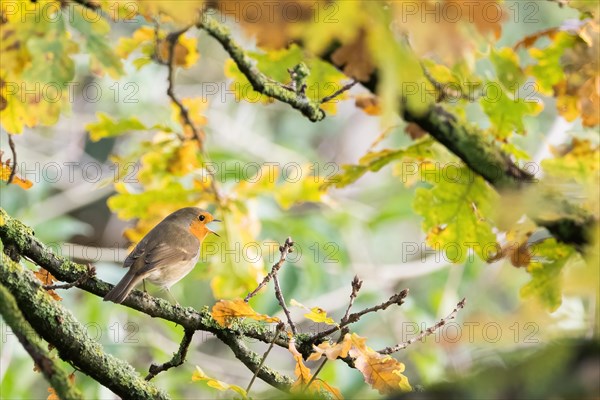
(360, 230)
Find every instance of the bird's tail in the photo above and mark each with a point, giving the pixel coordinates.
(123, 288)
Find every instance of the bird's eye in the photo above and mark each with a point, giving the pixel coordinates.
(202, 218)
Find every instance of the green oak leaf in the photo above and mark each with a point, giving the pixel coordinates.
(454, 213)
(548, 70)
(51, 62)
(505, 112)
(375, 160)
(508, 69)
(549, 258)
(107, 127)
(96, 34)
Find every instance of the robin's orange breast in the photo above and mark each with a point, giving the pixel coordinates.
(199, 230)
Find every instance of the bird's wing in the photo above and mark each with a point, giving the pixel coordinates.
(162, 254)
(136, 253)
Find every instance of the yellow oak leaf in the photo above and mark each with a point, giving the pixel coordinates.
(315, 314)
(337, 350)
(225, 311)
(383, 373)
(200, 376)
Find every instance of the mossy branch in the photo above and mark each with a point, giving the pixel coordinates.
(259, 81)
(32, 343)
(20, 238)
(59, 327)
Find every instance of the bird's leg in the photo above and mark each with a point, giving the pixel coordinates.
(144, 286)
(173, 297)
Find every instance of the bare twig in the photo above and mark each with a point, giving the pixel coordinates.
(398, 299)
(172, 41)
(341, 90)
(284, 250)
(178, 358)
(13, 171)
(280, 327)
(281, 301)
(426, 332)
(356, 285)
(91, 272)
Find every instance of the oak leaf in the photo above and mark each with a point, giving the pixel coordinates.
(226, 311)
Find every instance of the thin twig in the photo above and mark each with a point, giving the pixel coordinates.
(426, 332)
(398, 299)
(172, 41)
(280, 327)
(91, 272)
(178, 358)
(344, 88)
(281, 301)
(356, 285)
(284, 250)
(13, 171)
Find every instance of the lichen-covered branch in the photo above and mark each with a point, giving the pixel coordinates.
(259, 81)
(60, 328)
(21, 239)
(178, 358)
(31, 342)
(254, 361)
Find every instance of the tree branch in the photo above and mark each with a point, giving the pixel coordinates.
(260, 82)
(50, 368)
(397, 298)
(19, 236)
(59, 327)
(172, 39)
(426, 332)
(253, 361)
(178, 358)
(13, 150)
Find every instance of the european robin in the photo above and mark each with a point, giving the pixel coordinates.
(167, 253)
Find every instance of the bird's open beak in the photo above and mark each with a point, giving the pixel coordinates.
(211, 231)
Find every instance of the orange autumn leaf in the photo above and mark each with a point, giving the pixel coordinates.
(6, 169)
(184, 52)
(225, 311)
(320, 385)
(368, 103)
(414, 131)
(383, 373)
(47, 279)
(304, 376)
(354, 59)
(330, 351)
(301, 371)
(52, 394)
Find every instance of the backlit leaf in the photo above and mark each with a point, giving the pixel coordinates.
(315, 314)
(200, 376)
(454, 213)
(383, 373)
(107, 127)
(226, 311)
(549, 259)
